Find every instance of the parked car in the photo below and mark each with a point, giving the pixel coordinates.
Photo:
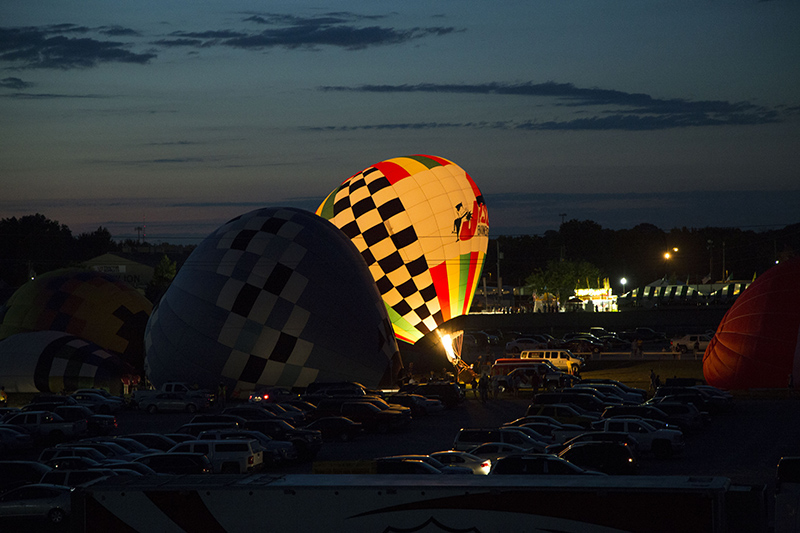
(16, 473)
(612, 391)
(336, 428)
(583, 345)
(177, 463)
(477, 464)
(271, 394)
(96, 424)
(47, 397)
(450, 394)
(468, 438)
(98, 403)
(306, 442)
(170, 401)
(688, 343)
(444, 469)
(13, 439)
(661, 442)
(644, 334)
(493, 451)
(59, 452)
(47, 425)
(408, 466)
(595, 436)
(524, 343)
(627, 388)
(154, 441)
(276, 452)
(616, 458)
(227, 456)
(535, 464)
(419, 404)
(564, 413)
(37, 500)
(73, 478)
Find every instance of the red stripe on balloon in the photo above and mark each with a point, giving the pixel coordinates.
(392, 171)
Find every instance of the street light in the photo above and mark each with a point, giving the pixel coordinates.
(623, 281)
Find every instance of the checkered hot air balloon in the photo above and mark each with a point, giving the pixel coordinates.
(274, 297)
(53, 361)
(422, 227)
(91, 305)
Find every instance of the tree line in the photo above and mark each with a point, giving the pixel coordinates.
(697, 255)
(36, 244)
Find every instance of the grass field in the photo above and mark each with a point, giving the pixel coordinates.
(637, 373)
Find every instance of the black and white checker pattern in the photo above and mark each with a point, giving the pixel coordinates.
(278, 296)
(396, 260)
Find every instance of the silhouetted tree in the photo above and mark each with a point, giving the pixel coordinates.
(90, 245)
(562, 278)
(163, 275)
(32, 244)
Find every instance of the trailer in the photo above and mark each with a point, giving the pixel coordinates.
(382, 503)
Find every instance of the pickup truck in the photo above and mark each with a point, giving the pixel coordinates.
(662, 443)
(205, 397)
(47, 425)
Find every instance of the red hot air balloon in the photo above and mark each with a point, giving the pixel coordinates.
(756, 344)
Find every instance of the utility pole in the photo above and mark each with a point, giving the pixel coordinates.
(499, 279)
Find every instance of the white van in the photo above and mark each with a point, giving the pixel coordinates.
(561, 359)
(227, 456)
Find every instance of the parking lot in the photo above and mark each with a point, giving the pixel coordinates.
(743, 444)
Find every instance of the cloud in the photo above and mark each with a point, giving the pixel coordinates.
(53, 47)
(333, 29)
(48, 96)
(615, 110)
(15, 83)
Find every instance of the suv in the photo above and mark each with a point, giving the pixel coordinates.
(561, 359)
(687, 343)
(227, 456)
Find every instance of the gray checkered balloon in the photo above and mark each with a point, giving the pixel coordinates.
(274, 297)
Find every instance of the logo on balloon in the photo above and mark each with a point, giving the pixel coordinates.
(477, 221)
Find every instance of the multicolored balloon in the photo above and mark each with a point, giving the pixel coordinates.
(757, 343)
(91, 305)
(422, 227)
(277, 296)
(54, 361)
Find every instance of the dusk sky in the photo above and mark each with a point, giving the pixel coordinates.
(183, 115)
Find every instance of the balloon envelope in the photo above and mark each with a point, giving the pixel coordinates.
(421, 224)
(91, 305)
(756, 344)
(54, 361)
(276, 296)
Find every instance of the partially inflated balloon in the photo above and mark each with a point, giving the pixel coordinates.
(277, 296)
(53, 361)
(756, 344)
(421, 224)
(93, 306)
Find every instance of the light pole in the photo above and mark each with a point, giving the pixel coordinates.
(667, 257)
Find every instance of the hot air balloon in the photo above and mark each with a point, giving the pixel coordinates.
(274, 297)
(756, 344)
(53, 361)
(421, 225)
(91, 305)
